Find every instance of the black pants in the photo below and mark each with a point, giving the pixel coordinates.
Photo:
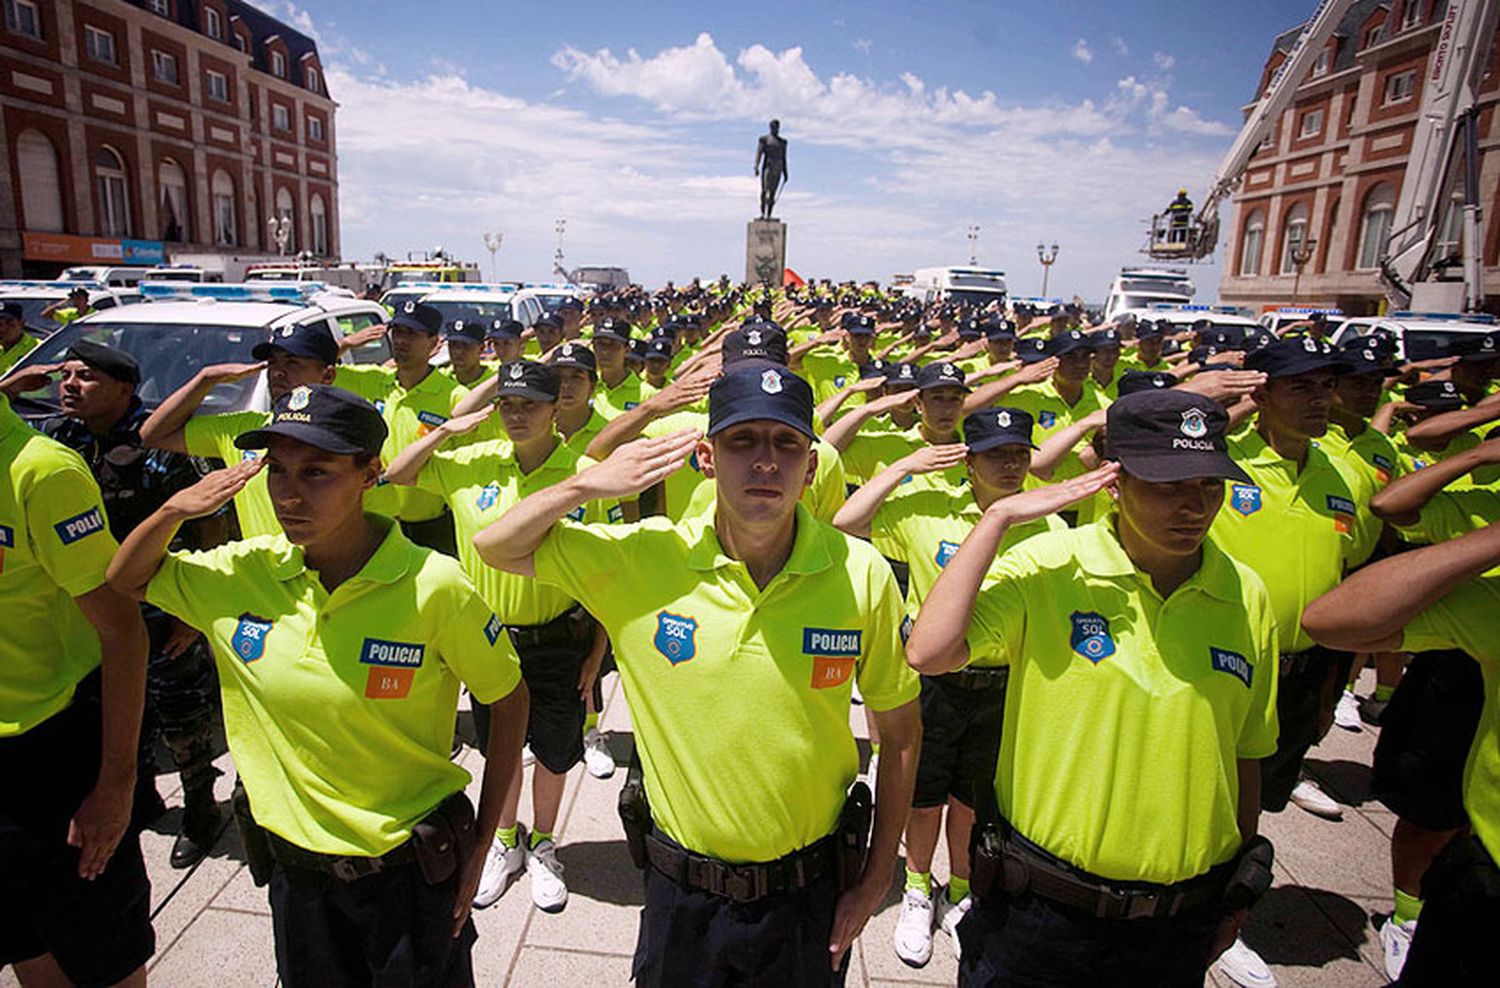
(1425, 735)
(697, 939)
(1460, 912)
(1303, 700)
(960, 741)
(1032, 942)
(388, 930)
(99, 931)
(436, 534)
(554, 724)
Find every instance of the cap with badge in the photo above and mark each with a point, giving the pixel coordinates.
(1000, 329)
(614, 329)
(550, 320)
(873, 368)
(995, 427)
(106, 360)
(325, 417)
(901, 377)
(1031, 349)
(1107, 338)
(940, 374)
(859, 325)
(1138, 380)
(504, 329)
(1150, 328)
(659, 349)
(467, 330)
(1168, 435)
(755, 341)
(1476, 348)
(419, 317)
(1065, 343)
(1294, 356)
(12, 310)
(572, 354)
(760, 393)
(313, 340)
(1435, 396)
(1366, 359)
(971, 329)
(527, 379)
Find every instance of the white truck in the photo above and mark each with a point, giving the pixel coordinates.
(957, 283)
(1137, 289)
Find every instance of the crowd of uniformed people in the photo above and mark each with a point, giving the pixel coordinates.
(1098, 589)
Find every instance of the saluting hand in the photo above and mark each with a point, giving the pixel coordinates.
(462, 425)
(360, 337)
(1038, 372)
(1224, 385)
(214, 490)
(1043, 501)
(637, 465)
(31, 379)
(865, 384)
(930, 459)
(229, 373)
(900, 399)
(681, 392)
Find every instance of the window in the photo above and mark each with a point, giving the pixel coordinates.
(174, 202)
(21, 17)
(114, 201)
(1295, 238)
(1412, 15)
(100, 44)
(280, 118)
(319, 214)
(162, 8)
(213, 24)
(278, 65)
(218, 86)
(164, 67)
(315, 128)
(41, 185)
(1312, 124)
(240, 43)
(1375, 225)
(1324, 62)
(1451, 239)
(1374, 36)
(1252, 243)
(225, 231)
(1399, 87)
(312, 79)
(284, 213)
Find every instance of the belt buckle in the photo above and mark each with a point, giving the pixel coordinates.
(1140, 905)
(739, 884)
(348, 870)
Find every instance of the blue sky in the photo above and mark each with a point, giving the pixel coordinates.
(1057, 121)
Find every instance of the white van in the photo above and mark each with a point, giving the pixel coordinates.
(957, 283)
(115, 276)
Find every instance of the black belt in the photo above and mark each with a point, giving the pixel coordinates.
(346, 868)
(1054, 879)
(742, 882)
(560, 630)
(983, 678)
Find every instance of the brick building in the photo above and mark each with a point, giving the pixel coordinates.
(133, 129)
(1329, 175)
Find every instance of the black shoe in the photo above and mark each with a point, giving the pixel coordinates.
(201, 823)
(1371, 710)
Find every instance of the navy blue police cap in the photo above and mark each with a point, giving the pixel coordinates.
(1169, 435)
(901, 377)
(106, 360)
(940, 374)
(755, 341)
(1000, 329)
(1294, 356)
(760, 392)
(527, 379)
(659, 349)
(312, 340)
(1066, 342)
(859, 325)
(994, 427)
(466, 330)
(1104, 339)
(614, 329)
(1475, 348)
(971, 329)
(420, 317)
(1138, 380)
(551, 320)
(325, 417)
(1435, 396)
(873, 368)
(575, 354)
(504, 329)
(1031, 349)
(1149, 328)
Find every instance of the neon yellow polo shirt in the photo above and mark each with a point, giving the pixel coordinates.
(1126, 713)
(339, 707)
(829, 371)
(1371, 453)
(1131, 360)
(54, 545)
(616, 401)
(925, 528)
(1051, 413)
(409, 414)
(23, 346)
(482, 481)
(1469, 619)
(586, 433)
(740, 696)
(1297, 530)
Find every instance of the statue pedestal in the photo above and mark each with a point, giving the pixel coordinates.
(765, 252)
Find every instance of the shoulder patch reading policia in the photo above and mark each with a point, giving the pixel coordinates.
(676, 637)
(249, 641)
(393, 667)
(1231, 662)
(70, 530)
(834, 651)
(1343, 512)
(492, 629)
(1244, 498)
(1091, 636)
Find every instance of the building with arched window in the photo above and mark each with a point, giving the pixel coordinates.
(142, 131)
(1324, 185)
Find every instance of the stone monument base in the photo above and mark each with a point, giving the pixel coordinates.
(765, 252)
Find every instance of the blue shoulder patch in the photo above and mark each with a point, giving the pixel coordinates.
(832, 641)
(80, 526)
(1231, 662)
(7, 537)
(492, 629)
(431, 418)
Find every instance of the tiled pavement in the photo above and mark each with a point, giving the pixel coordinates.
(1315, 927)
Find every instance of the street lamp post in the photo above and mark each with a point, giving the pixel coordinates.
(280, 228)
(492, 241)
(560, 227)
(973, 236)
(1300, 255)
(1048, 257)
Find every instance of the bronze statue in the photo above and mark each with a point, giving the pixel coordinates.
(770, 165)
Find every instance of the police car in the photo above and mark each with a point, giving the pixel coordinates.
(1181, 318)
(34, 296)
(1418, 335)
(1279, 318)
(487, 303)
(552, 296)
(186, 327)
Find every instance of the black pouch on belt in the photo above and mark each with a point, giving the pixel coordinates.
(257, 848)
(854, 835)
(635, 811)
(1251, 876)
(444, 838)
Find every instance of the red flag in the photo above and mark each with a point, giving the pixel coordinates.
(790, 278)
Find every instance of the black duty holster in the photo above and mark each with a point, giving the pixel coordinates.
(635, 811)
(252, 836)
(444, 838)
(853, 835)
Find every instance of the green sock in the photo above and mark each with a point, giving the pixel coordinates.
(874, 747)
(1383, 693)
(590, 721)
(1408, 907)
(536, 838)
(508, 836)
(957, 889)
(919, 880)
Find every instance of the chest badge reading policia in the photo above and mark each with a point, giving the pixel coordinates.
(676, 637)
(1091, 637)
(249, 641)
(1244, 498)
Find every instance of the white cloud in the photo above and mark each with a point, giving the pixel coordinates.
(1118, 44)
(863, 45)
(1163, 61)
(1082, 52)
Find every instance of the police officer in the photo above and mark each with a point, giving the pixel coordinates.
(74, 306)
(619, 389)
(74, 897)
(829, 370)
(465, 341)
(547, 332)
(1105, 345)
(1069, 395)
(1149, 337)
(560, 646)
(15, 342)
(339, 692)
(739, 634)
(961, 712)
(101, 420)
(504, 339)
(1142, 660)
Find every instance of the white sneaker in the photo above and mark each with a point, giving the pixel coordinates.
(1346, 713)
(871, 774)
(501, 865)
(596, 756)
(1244, 967)
(1395, 940)
(913, 938)
(547, 888)
(526, 756)
(1315, 801)
(950, 914)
